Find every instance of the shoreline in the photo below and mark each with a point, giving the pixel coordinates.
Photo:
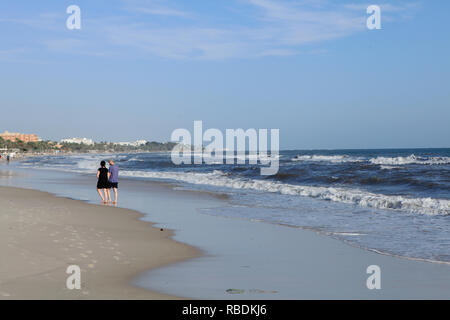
(261, 260)
(224, 196)
(42, 234)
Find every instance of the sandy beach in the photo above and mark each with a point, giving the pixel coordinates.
(41, 235)
(124, 257)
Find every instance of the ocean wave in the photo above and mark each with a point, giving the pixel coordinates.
(382, 167)
(383, 161)
(350, 195)
(428, 206)
(412, 159)
(332, 159)
(88, 164)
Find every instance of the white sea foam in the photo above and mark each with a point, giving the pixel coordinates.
(241, 157)
(332, 159)
(88, 164)
(412, 159)
(350, 234)
(387, 161)
(388, 167)
(428, 206)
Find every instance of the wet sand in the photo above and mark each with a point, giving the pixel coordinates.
(41, 235)
(252, 260)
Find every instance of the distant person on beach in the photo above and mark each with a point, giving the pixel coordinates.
(114, 179)
(7, 158)
(102, 182)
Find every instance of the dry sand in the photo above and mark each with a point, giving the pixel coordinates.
(41, 235)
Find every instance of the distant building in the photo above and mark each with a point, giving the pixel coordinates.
(136, 143)
(140, 142)
(10, 136)
(85, 141)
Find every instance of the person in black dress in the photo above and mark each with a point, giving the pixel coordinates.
(103, 182)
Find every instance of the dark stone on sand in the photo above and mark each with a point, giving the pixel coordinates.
(235, 291)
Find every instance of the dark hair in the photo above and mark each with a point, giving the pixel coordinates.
(103, 163)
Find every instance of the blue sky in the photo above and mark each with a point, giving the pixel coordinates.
(142, 68)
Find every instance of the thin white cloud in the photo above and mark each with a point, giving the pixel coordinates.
(179, 43)
(279, 53)
(155, 7)
(390, 12)
(280, 29)
(162, 12)
(301, 24)
(386, 7)
(72, 46)
(47, 20)
(273, 28)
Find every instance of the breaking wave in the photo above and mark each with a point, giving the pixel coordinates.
(428, 206)
(332, 159)
(412, 159)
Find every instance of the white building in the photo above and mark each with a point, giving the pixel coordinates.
(136, 143)
(86, 141)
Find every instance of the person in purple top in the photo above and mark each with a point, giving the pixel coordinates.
(114, 178)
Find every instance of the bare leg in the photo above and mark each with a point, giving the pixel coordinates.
(105, 191)
(116, 195)
(105, 195)
(108, 195)
(101, 194)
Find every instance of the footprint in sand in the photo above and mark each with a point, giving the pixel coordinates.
(116, 258)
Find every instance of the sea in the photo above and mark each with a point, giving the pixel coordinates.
(391, 201)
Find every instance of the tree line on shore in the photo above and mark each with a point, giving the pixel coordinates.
(52, 146)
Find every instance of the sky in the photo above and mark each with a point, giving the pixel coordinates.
(139, 69)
